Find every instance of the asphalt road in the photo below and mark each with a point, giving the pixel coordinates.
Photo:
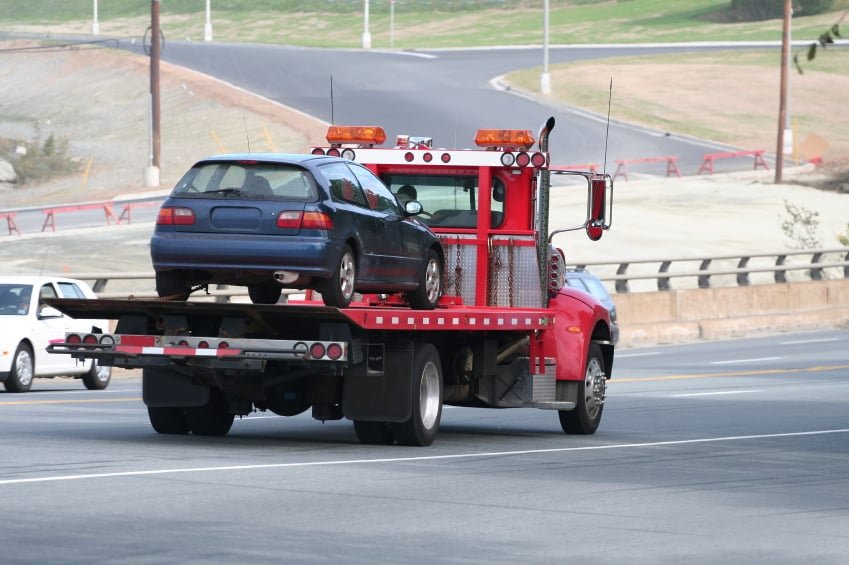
(713, 452)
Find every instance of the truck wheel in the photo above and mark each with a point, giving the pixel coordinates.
(338, 290)
(375, 433)
(421, 428)
(98, 376)
(586, 416)
(264, 294)
(173, 285)
(211, 419)
(168, 420)
(426, 296)
(23, 369)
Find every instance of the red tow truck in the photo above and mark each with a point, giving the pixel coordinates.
(507, 332)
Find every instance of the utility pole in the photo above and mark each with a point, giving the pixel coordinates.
(366, 34)
(95, 25)
(152, 171)
(782, 103)
(207, 27)
(545, 77)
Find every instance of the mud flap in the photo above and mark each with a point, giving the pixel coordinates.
(379, 390)
(163, 387)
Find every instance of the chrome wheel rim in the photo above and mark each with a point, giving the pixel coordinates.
(346, 276)
(594, 388)
(429, 395)
(433, 280)
(102, 373)
(23, 367)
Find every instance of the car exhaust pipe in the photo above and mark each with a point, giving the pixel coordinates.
(285, 277)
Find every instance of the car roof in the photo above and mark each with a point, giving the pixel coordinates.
(279, 158)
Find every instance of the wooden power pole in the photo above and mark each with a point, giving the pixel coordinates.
(782, 102)
(154, 81)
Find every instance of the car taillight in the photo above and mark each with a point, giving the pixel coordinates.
(174, 216)
(289, 220)
(317, 221)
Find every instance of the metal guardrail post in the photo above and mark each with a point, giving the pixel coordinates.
(816, 272)
(743, 278)
(704, 280)
(780, 274)
(622, 285)
(663, 282)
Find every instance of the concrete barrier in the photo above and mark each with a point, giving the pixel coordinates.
(650, 318)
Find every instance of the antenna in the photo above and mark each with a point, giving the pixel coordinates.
(247, 136)
(607, 131)
(332, 121)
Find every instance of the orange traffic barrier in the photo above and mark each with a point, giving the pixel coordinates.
(707, 164)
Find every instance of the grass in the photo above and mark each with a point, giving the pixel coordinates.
(418, 24)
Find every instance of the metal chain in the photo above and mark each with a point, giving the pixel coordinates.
(511, 262)
(495, 268)
(458, 273)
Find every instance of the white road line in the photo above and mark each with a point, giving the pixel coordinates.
(800, 341)
(487, 454)
(623, 355)
(715, 393)
(741, 361)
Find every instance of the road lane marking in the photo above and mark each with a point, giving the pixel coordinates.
(741, 361)
(488, 454)
(66, 401)
(715, 393)
(757, 373)
(629, 355)
(802, 341)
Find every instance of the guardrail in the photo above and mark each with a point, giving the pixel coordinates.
(736, 270)
(811, 263)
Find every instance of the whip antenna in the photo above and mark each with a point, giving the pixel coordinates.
(331, 101)
(247, 135)
(607, 131)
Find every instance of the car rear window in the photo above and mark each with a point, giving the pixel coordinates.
(251, 180)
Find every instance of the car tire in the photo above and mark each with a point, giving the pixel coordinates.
(168, 420)
(211, 419)
(338, 290)
(23, 370)
(172, 285)
(426, 296)
(98, 376)
(586, 416)
(264, 294)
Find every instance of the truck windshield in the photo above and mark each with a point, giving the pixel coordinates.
(449, 201)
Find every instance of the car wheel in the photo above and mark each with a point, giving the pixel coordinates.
(98, 376)
(23, 369)
(168, 420)
(586, 416)
(338, 290)
(172, 285)
(264, 294)
(211, 419)
(426, 296)
(420, 430)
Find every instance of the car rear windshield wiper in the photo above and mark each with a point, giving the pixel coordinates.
(227, 191)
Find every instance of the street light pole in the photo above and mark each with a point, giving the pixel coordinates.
(366, 34)
(207, 28)
(782, 102)
(545, 77)
(95, 26)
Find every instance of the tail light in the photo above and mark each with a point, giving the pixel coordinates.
(175, 216)
(538, 160)
(522, 159)
(308, 220)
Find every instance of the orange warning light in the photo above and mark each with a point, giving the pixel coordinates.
(516, 138)
(361, 135)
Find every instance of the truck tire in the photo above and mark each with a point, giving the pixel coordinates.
(168, 420)
(23, 370)
(211, 419)
(98, 376)
(375, 433)
(172, 285)
(264, 294)
(421, 428)
(426, 296)
(586, 416)
(338, 290)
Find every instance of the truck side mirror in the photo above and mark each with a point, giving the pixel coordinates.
(597, 220)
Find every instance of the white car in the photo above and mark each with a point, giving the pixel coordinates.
(27, 326)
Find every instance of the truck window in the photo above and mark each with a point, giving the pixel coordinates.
(449, 201)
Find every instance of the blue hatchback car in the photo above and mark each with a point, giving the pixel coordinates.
(269, 222)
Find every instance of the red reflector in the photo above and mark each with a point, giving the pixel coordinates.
(203, 345)
(318, 151)
(183, 343)
(446, 157)
(522, 159)
(317, 221)
(334, 351)
(333, 152)
(290, 219)
(170, 216)
(538, 160)
(223, 345)
(73, 338)
(90, 339)
(428, 157)
(317, 350)
(408, 157)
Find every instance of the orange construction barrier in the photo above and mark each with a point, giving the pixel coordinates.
(50, 219)
(707, 164)
(671, 165)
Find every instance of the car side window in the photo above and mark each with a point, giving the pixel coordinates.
(70, 290)
(378, 196)
(47, 291)
(344, 186)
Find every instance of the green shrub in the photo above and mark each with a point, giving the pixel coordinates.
(43, 161)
